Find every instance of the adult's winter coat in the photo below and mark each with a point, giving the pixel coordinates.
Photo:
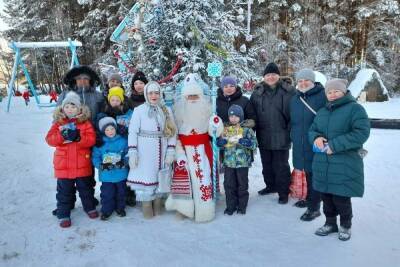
(345, 124)
(301, 119)
(272, 115)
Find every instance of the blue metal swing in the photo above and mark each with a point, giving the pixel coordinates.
(17, 46)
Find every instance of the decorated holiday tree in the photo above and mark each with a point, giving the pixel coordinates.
(176, 37)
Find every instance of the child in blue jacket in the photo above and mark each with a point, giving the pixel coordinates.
(111, 161)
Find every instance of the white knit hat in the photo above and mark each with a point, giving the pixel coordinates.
(191, 85)
(72, 98)
(105, 122)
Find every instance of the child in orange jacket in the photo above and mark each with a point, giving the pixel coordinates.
(73, 136)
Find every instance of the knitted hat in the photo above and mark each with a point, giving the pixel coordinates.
(115, 76)
(237, 111)
(105, 122)
(336, 84)
(72, 98)
(139, 76)
(228, 80)
(271, 68)
(306, 74)
(116, 91)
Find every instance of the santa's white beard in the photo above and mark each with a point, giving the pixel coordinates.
(192, 115)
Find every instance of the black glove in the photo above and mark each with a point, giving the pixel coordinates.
(120, 164)
(71, 135)
(106, 166)
(122, 130)
(221, 141)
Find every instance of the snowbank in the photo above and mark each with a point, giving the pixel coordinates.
(361, 80)
(383, 110)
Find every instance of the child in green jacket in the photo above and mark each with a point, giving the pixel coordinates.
(238, 142)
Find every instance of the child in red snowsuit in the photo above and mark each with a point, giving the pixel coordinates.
(73, 136)
(25, 96)
(53, 96)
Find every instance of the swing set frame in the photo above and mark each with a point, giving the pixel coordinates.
(18, 62)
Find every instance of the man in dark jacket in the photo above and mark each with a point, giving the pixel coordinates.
(229, 94)
(309, 93)
(271, 99)
(83, 80)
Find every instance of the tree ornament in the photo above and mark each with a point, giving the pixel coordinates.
(240, 18)
(137, 36)
(249, 37)
(156, 71)
(243, 48)
(263, 55)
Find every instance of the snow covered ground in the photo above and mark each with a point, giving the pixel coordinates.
(268, 235)
(384, 110)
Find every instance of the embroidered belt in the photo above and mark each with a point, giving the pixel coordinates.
(151, 134)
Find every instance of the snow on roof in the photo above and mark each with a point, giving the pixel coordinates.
(321, 78)
(361, 80)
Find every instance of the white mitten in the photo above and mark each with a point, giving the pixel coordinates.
(216, 124)
(170, 156)
(133, 158)
(181, 159)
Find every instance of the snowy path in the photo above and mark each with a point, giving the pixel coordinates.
(268, 235)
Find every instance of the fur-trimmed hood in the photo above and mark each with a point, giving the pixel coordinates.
(83, 116)
(69, 78)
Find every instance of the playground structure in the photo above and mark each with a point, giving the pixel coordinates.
(18, 62)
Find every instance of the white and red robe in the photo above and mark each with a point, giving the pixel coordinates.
(192, 187)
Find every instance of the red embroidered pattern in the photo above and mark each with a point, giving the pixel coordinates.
(197, 160)
(196, 157)
(206, 192)
(199, 174)
(141, 183)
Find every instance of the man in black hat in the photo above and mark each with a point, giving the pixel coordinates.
(271, 101)
(83, 80)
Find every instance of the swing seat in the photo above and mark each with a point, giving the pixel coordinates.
(47, 105)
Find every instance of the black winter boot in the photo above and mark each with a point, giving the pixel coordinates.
(301, 204)
(267, 190)
(130, 197)
(229, 211)
(310, 215)
(283, 200)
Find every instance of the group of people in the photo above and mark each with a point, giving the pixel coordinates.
(147, 152)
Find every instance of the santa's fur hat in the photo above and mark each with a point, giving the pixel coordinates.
(191, 85)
